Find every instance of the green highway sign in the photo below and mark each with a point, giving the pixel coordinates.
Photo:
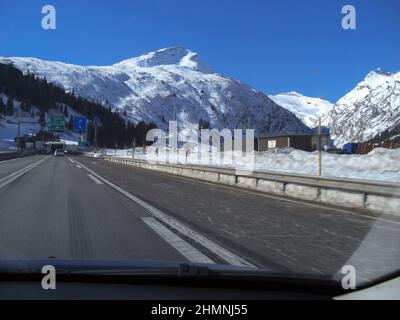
(57, 123)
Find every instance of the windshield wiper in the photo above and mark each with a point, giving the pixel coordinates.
(181, 270)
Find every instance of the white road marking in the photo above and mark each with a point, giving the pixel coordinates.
(270, 196)
(97, 181)
(15, 175)
(180, 245)
(79, 167)
(221, 252)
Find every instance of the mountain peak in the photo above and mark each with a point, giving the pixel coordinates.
(178, 56)
(379, 71)
(371, 108)
(293, 94)
(376, 78)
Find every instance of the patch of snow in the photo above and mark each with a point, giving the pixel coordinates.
(379, 165)
(307, 109)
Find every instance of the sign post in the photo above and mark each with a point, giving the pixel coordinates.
(319, 148)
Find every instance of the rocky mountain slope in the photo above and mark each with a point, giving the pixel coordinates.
(370, 109)
(172, 83)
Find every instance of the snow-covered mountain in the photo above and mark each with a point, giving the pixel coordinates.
(307, 109)
(372, 107)
(170, 82)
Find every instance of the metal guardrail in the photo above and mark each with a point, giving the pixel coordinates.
(15, 154)
(370, 186)
(7, 155)
(375, 196)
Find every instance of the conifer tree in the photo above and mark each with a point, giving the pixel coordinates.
(2, 107)
(10, 106)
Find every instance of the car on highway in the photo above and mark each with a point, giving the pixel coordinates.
(59, 153)
(98, 155)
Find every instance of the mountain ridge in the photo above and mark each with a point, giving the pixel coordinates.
(171, 83)
(307, 109)
(371, 108)
(175, 83)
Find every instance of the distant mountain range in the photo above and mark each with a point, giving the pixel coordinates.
(169, 84)
(175, 83)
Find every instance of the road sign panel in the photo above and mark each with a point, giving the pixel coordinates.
(57, 123)
(80, 124)
(272, 144)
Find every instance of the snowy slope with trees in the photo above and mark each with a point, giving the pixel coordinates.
(175, 83)
(167, 84)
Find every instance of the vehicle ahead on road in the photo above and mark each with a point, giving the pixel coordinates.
(59, 153)
(98, 155)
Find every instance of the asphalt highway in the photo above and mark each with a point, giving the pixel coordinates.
(85, 208)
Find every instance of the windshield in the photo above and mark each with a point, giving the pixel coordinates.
(257, 135)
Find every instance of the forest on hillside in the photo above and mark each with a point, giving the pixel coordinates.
(112, 129)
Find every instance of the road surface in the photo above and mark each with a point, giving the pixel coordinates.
(77, 207)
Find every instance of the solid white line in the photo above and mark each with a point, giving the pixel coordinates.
(16, 172)
(270, 196)
(97, 181)
(223, 253)
(180, 245)
(10, 178)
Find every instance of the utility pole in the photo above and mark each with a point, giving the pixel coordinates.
(319, 147)
(95, 135)
(133, 148)
(170, 137)
(19, 136)
(19, 129)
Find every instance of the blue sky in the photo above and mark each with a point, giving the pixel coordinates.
(272, 45)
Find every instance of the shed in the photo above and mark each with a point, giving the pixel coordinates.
(305, 142)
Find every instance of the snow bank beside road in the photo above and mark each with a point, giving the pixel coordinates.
(380, 164)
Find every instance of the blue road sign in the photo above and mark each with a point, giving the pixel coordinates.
(80, 124)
